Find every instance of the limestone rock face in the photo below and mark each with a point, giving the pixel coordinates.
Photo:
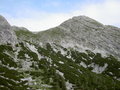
(7, 35)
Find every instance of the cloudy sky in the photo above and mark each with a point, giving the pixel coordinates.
(38, 15)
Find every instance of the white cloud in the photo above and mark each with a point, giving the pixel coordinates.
(106, 12)
(41, 22)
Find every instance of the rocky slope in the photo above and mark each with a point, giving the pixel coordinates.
(80, 54)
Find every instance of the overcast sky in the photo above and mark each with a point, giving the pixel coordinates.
(38, 15)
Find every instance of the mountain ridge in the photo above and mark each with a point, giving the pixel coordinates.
(80, 31)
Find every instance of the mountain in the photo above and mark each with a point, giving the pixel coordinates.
(79, 54)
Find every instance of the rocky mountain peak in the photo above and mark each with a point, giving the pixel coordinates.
(92, 34)
(80, 23)
(7, 35)
(4, 23)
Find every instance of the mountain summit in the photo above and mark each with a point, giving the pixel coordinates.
(4, 23)
(7, 35)
(82, 21)
(91, 34)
